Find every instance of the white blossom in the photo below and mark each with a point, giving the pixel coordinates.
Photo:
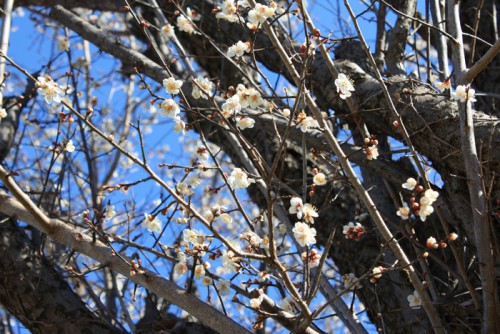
(319, 179)
(304, 234)
(404, 211)
(168, 31)
(180, 268)
(169, 108)
(152, 223)
(231, 107)
(110, 211)
(239, 179)
(172, 86)
(206, 88)
(49, 89)
(243, 122)
(344, 86)
(308, 123)
(410, 184)
(179, 126)
(69, 146)
(414, 300)
(308, 211)
(295, 205)
(62, 43)
(184, 24)
(443, 85)
(464, 94)
(199, 271)
(206, 281)
(238, 49)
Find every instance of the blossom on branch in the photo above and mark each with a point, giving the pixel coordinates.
(353, 232)
(243, 122)
(49, 89)
(464, 94)
(206, 88)
(344, 86)
(414, 300)
(172, 86)
(239, 179)
(169, 108)
(304, 234)
(238, 49)
(152, 223)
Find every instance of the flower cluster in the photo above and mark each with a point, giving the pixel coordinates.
(353, 232)
(258, 15)
(423, 207)
(238, 49)
(306, 211)
(305, 122)
(371, 148)
(202, 88)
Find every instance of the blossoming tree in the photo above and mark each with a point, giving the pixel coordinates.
(241, 166)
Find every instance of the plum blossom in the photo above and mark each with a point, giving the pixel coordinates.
(184, 24)
(232, 106)
(223, 287)
(193, 236)
(443, 85)
(202, 153)
(230, 261)
(168, 31)
(410, 184)
(243, 122)
(179, 126)
(110, 211)
(344, 86)
(238, 49)
(376, 273)
(404, 211)
(309, 212)
(307, 123)
(252, 238)
(169, 108)
(181, 268)
(295, 205)
(152, 223)
(199, 271)
(414, 300)
(239, 179)
(3, 114)
(206, 281)
(62, 43)
(464, 94)
(227, 11)
(432, 243)
(353, 232)
(70, 147)
(249, 97)
(426, 201)
(258, 15)
(192, 14)
(314, 258)
(49, 89)
(206, 88)
(304, 234)
(172, 86)
(255, 302)
(372, 152)
(319, 179)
